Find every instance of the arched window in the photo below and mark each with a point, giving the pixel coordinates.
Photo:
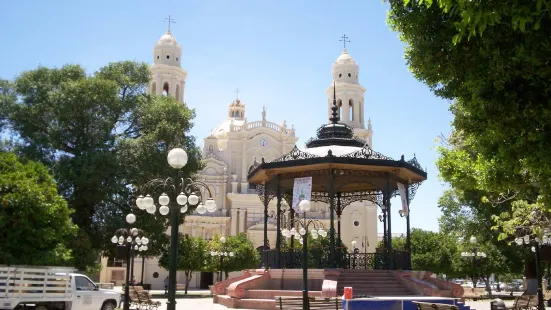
(339, 104)
(351, 109)
(154, 88)
(211, 148)
(165, 89)
(177, 92)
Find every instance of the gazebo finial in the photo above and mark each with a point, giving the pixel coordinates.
(334, 117)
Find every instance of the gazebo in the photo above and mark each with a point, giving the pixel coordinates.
(344, 169)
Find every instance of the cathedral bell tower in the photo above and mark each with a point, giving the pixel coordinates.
(349, 95)
(167, 76)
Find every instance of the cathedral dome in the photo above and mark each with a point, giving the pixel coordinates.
(345, 69)
(345, 58)
(225, 126)
(167, 39)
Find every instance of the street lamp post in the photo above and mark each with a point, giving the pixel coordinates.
(408, 236)
(355, 252)
(129, 238)
(178, 195)
(476, 258)
(546, 240)
(222, 254)
(316, 231)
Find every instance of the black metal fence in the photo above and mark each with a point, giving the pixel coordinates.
(318, 258)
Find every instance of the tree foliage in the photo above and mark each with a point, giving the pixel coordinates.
(245, 254)
(192, 256)
(491, 59)
(102, 136)
(35, 223)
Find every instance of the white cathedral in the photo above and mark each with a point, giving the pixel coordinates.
(230, 150)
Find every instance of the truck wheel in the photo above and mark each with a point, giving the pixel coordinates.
(108, 306)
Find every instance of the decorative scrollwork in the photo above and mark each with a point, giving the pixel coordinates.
(294, 155)
(367, 153)
(253, 166)
(415, 163)
(412, 190)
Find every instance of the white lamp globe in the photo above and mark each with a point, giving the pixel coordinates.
(193, 199)
(136, 247)
(304, 205)
(145, 240)
(129, 239)
(121, 239)
(526, 239)
(114, 239)
(222, 239)
(138, 240)
(130, 218)
(293, 231)
(183, 209)
(211, 205)
(181, 199)
(300, 241)
(354, 243)
(324, 234)
(201, 209)
(177, 158)
(151, 209)
(519, 241)
(314, 234)
(164, 210)
(134, 231)
(302, 231)
(232, 254)
(212, 253)
(147, 201)
(145, 247)
(164, 199)
(139, 202)
(284, 232)
(473, 239)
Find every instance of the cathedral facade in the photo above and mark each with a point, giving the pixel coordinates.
(231, 149)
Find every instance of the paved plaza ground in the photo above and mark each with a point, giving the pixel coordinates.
(206, 304)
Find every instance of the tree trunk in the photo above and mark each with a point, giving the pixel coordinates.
(488, 288)
(188, 278)
(227, 274)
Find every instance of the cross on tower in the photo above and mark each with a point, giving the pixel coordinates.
(237, 93)
(170, 20)
(343, 40)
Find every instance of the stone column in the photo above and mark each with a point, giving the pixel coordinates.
(242, 220)
(234, 221)
(224, 191)
(244, 182)
(234, 183)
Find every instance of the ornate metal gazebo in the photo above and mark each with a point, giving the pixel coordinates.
(344, 169)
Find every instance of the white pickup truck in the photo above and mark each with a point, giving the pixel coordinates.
(49, 288)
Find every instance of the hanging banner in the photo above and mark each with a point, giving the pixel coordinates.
(403, 197)
(302, 190)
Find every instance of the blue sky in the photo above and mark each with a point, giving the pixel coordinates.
(278, 53)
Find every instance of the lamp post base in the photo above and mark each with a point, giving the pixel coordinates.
(305, 300)
(171, 305)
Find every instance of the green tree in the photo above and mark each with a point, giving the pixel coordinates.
(432, 251)
(35, 223)
(245, 254)
(103, 137)
(192, 256)
(489, 58)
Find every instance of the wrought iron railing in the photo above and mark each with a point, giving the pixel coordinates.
(318, 258)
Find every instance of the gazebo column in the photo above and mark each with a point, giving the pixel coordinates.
(388, 194)
(278, 222)
(408, 231)
(265, 247)
(339, 213)
(292, 220)
(385, 235)
(331, 219)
